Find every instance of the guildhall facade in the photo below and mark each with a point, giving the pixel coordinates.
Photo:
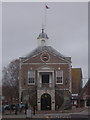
(45, 77)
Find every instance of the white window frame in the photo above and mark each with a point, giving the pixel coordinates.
(32, 76)
(60, 75)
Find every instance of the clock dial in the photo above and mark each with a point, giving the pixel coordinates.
(45, 57)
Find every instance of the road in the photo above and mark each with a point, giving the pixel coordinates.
(82, 114)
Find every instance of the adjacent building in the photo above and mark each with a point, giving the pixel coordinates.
(84, 98)
(76, 85)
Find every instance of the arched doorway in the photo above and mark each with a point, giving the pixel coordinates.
(45, 102)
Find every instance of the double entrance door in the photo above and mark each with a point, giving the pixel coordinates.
(45, 102)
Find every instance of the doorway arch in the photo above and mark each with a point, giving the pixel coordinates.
(45, 102)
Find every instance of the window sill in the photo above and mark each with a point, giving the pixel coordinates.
(31, 83)
(59, 83)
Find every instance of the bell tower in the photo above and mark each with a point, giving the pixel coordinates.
(42, 39)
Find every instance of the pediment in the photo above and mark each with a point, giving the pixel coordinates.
(48, 55)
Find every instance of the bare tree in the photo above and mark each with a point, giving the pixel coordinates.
(11, 73)
(10, 80)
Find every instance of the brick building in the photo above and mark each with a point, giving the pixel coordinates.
(76, 80)
(76, 74)
(45, 77)
(84, 97)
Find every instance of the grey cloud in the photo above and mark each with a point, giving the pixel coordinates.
(67, 28)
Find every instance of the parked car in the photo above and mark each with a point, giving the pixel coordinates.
(13, 107)
(6, 107)
(2, 110)
(9, 107)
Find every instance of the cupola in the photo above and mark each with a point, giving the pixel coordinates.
(42, 38)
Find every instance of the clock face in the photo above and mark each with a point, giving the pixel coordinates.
(45, 57)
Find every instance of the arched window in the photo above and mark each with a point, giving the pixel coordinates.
(45, 102)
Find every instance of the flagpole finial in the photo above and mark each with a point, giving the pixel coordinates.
(42, 28)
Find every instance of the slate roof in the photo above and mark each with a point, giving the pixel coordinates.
(50, 49)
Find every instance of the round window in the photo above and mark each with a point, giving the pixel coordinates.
(45, 57)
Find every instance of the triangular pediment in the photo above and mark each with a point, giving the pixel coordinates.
(36, 55)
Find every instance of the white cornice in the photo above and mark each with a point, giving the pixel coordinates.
(43, 63)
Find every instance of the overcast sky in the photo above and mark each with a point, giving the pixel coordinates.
(66, 27)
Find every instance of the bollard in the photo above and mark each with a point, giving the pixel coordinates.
(29, 113)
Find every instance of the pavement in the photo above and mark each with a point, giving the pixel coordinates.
(74, 113)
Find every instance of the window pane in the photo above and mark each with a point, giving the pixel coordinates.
(31, 76)
(59, 76)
